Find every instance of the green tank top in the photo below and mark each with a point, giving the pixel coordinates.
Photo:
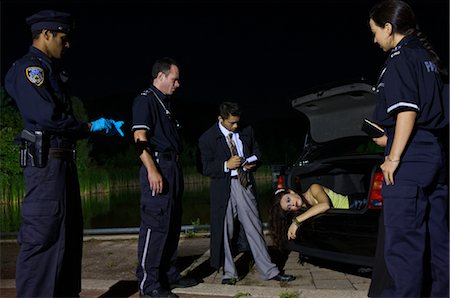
(339, 201)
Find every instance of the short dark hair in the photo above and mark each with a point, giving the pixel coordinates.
(162, 65)
(35, 34)
(229, 108)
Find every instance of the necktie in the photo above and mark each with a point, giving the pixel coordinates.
(242, 175)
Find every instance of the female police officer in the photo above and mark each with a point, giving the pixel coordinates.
(411, 109)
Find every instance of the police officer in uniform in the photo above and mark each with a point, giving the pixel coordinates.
(159, 146)
(51, 232)
(412, 111)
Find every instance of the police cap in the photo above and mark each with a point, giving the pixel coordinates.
(50, 20)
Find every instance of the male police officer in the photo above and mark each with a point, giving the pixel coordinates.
(50, 237)
(159, 146)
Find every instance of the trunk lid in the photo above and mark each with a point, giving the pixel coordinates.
(337, 112)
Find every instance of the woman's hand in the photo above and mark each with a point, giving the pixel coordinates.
(381, 141)
(292, 231)
(389, 167)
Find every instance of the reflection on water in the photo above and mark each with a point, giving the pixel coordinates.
(120, 209)
(10, 217)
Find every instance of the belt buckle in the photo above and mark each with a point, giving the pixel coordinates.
(163, 155)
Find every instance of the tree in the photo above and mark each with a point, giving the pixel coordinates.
(10, 127)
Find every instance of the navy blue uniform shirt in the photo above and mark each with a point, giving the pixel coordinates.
(410, 81)
(37, 87)
(151, 112)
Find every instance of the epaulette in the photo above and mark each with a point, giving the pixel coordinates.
(146, 91)
(397, 50)
(34, 58)
(395, 53)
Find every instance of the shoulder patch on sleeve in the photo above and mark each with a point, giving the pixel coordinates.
(35, 75)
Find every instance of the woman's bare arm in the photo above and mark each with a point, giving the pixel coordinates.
(323, 204)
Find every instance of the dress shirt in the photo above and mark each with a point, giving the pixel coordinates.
(238, 143)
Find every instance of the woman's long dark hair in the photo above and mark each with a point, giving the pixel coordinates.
(280, 220)
(402, 18)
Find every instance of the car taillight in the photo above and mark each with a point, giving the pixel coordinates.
(375, 198)
(280, 182)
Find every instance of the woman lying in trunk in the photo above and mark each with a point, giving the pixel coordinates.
(290, 209)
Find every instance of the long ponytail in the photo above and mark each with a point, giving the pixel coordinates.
(434, 56)
(401, 16)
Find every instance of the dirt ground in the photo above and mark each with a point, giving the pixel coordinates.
(104, 258)
(101, 259)
(109, 264)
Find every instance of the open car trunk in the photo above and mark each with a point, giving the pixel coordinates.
(340, 156)
(337, 112)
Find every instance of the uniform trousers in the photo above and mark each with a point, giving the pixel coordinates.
(416, 216)
(242, 205)
(51, 232)
(159, 229)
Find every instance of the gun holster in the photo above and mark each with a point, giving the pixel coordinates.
(23, 153)
(34, 147)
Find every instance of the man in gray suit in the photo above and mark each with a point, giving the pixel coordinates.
(229, 156)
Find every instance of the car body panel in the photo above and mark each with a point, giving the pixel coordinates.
(344, 236)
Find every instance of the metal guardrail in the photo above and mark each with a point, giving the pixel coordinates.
(117, 231)
(186, 229)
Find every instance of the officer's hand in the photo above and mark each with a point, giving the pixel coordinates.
(101, 124)
(155, 181)
(381, 141)
(115, 128)
(388, 168)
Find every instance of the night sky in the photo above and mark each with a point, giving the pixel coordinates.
(259, 53)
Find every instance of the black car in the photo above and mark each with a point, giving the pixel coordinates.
(339, 155)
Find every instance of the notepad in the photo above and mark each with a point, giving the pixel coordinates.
(250, 159)
(372, 129)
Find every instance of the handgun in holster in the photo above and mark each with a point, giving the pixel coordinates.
(33, 147)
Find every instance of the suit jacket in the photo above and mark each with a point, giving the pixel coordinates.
(214, 151)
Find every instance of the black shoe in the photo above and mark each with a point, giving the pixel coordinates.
(229, 281)
(161, 293)
(283, 277)
(184, 282)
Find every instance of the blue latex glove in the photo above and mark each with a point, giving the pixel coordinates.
(116, 128)
(101, 124)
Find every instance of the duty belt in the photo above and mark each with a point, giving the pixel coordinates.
(170, 156)
(62, 153)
